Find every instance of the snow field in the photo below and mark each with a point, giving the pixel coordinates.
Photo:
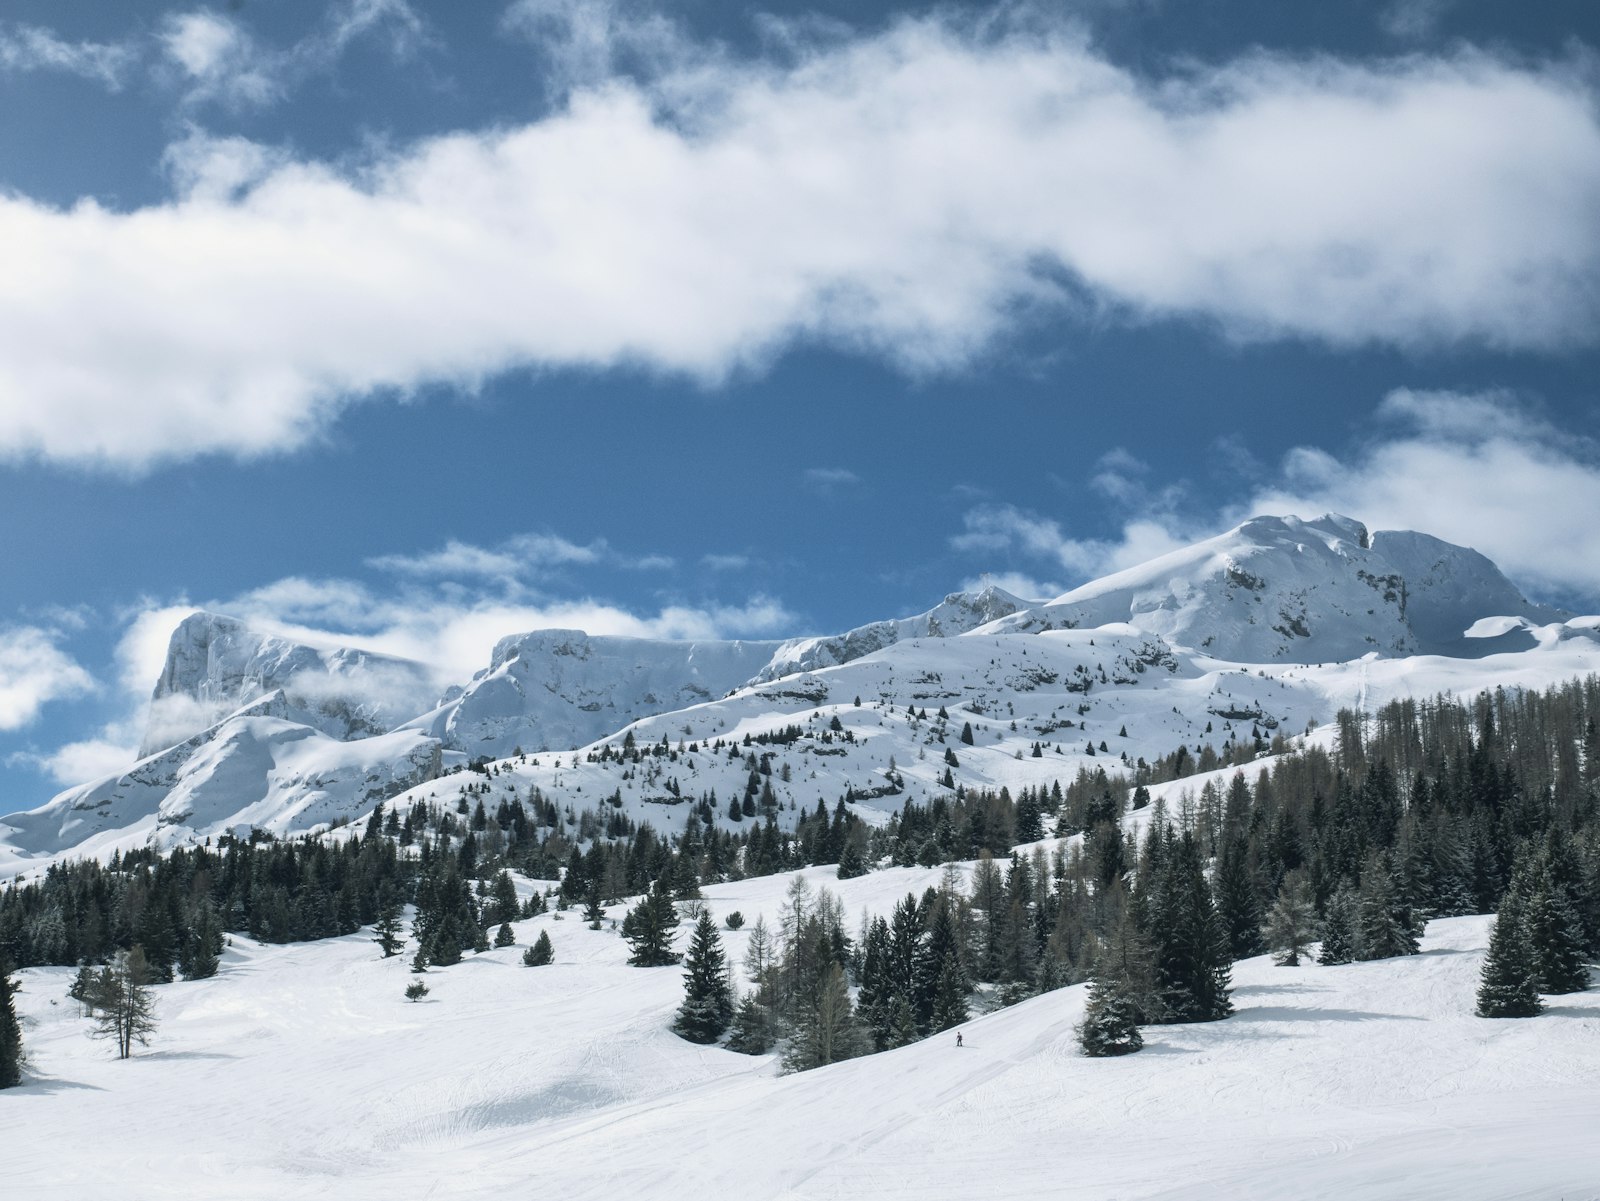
(301, 1072)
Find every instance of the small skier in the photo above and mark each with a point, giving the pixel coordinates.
(958, 1038)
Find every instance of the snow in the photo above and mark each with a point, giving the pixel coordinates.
(301, 1072)
(1268, 629)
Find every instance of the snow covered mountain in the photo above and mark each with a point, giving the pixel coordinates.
(1279, 589)
(956, 614)
(555, 689)
(216, 665)
(1270, 628)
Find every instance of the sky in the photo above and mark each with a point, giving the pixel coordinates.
(412, 325)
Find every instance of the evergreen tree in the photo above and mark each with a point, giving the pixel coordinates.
(1554, 940)
(202, 951)
(416, 990)
(1509, 987)
(541, 952)
(387, 931)
(123, 1008)
(1110, 1023)
(851, 861)
(10, 1031)
(1236, 901)
(707, 1007)
(1292, 922)
(1383, 920)
(593, 911)
(752, 1032)
(1193, 967)
(825, 1030)
(650, 927)
(1339, 929)
(505, 936)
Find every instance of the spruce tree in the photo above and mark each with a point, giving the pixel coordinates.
(1555, 940)
(1292, 922)
(1236, 902)
(707, 1007)
(386, 933)
(752, 1032)
(650, 927)
(1110, 1023)
(10, 1031)
(1339, 930)
(541, 952)
(1383, 920)
(505, 936)
(1509, 987)
(1193, 967)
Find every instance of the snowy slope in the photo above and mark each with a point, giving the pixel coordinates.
(300, 1072)
(956, 614)
(253, 770)
(1278, 589)
(564, 688)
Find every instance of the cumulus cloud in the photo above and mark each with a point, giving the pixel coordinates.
(913, 194)
(1483, 470)
(1486, 470)
(34, 671)
(1004, 530)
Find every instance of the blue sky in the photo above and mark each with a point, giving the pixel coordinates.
(418, 324)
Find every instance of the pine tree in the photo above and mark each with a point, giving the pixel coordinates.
(1508, 987)
(387, 931)
(851, 862)
(752, 1032)
(1193, 968)
(1236, 902)
(1383, 920)
(10, 1031)
(593, 911)
(541, 952)
(1292, 922)
(416, 990)
(123, 1008)
(1110, 1023)
(1555, 940)
(826, 1030)
(1339, 930)
(707, 1007)
(650, 927)
(505, 936)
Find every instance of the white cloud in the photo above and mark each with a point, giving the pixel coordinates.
(33, 672)
(1015, 582)
(30, 48)
(1007, 530)
(725, 562)
(912, 194)
(1481, 470)
(510, 560)
(829, 479)
(78, 762)
(1411, 20)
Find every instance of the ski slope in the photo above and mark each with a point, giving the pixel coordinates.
(301, 1072)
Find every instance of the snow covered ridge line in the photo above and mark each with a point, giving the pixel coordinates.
(1319, 615)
